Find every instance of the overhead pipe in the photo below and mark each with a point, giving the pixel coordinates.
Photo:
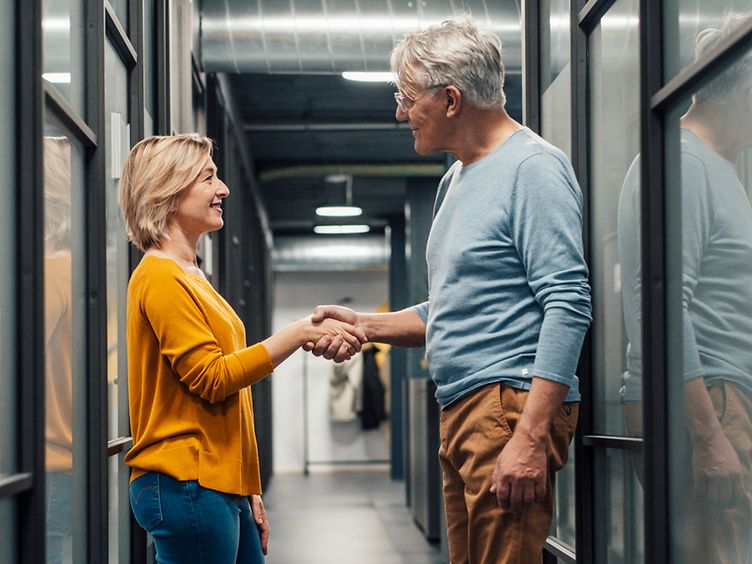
(333, 36)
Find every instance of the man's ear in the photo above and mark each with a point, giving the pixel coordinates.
(453, 100)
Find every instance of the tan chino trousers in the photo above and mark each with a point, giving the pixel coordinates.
(473, 432)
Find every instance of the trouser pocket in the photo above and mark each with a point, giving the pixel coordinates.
(146, 502)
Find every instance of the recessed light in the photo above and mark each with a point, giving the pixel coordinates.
(339, 211)
(340, 229)
(369, 76)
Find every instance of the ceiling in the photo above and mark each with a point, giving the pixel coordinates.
(302, 128)
(304, 122)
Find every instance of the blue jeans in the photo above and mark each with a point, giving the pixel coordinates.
(59, 514)
(193, 524)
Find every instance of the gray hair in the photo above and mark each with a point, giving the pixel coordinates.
(736, 76)
(453, 52)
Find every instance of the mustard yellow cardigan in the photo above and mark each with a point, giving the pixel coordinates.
(189, 373)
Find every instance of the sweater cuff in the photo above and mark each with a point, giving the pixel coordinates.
(255, 362)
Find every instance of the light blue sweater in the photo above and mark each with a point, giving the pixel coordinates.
(508, 292)
(716, 282)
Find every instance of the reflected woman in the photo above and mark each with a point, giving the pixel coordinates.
(58, 323)
(194, 458)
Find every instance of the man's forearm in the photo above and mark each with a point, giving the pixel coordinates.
(541, 407)
(402, 328)
(702, 421)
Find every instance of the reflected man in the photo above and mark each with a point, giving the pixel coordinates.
(509, 301)
(716, 220)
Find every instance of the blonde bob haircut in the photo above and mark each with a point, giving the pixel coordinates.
(156, 172)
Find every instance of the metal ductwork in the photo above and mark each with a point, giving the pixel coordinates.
(333, 36)
(329, 253)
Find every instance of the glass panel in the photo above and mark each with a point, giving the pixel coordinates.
(615, 254)
(8, 395)
(121, 11)
(119, 516)
(615, 258)
(65, 338)
(709, 288)
(556, 106)
(556, 128)
(63, 30)
(563, 526)
(8, 520)
(149, 56)
(556, 120)
(117, 134)
(683, 21)
(618, 522)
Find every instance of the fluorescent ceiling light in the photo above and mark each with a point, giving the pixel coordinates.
(339, 211)
(57, 77)
(369, 76)
(340, 229)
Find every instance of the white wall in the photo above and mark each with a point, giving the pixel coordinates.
(295, 296)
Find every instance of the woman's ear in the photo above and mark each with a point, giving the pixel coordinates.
(453, 100)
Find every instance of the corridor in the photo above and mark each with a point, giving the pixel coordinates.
(344, 517)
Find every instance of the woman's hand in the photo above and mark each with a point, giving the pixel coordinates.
(337, 335)
(259, 515)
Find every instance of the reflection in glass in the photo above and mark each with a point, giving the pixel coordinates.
(684, 20)
(58, 338)
(117, 132)
(619, 533)
(556, 80)
(8, 532)
(614, 89)
(556, 128)
(709, 227)
(119, 510)
(63, 328)
(8, 368)
(149, 56)
(615, 129)
(121, 11)
(63, 38)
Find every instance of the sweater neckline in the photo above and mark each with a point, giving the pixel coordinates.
(183, 270)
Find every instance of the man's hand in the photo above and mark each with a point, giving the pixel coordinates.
(717, 471)
(259, 515)
(520, 476)
(332, 348)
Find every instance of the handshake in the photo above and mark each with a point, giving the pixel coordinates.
(334, 332)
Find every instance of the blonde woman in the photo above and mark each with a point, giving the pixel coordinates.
(194, 458)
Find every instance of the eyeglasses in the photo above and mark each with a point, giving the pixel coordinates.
(405, 103)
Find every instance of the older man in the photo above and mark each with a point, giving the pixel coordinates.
(712, 464)
(509, 299)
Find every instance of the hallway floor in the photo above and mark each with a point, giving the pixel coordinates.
(344, 517)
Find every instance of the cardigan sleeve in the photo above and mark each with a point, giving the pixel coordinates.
(188, 343)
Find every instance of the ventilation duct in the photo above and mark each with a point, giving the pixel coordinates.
(329, 253)
(333, 36)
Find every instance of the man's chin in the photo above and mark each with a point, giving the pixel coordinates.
(425, 152)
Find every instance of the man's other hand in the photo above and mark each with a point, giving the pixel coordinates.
(519, 478)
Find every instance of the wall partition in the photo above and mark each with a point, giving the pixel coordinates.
(15, 472)
(659, 112)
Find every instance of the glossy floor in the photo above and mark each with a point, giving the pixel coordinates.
(343, 518)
